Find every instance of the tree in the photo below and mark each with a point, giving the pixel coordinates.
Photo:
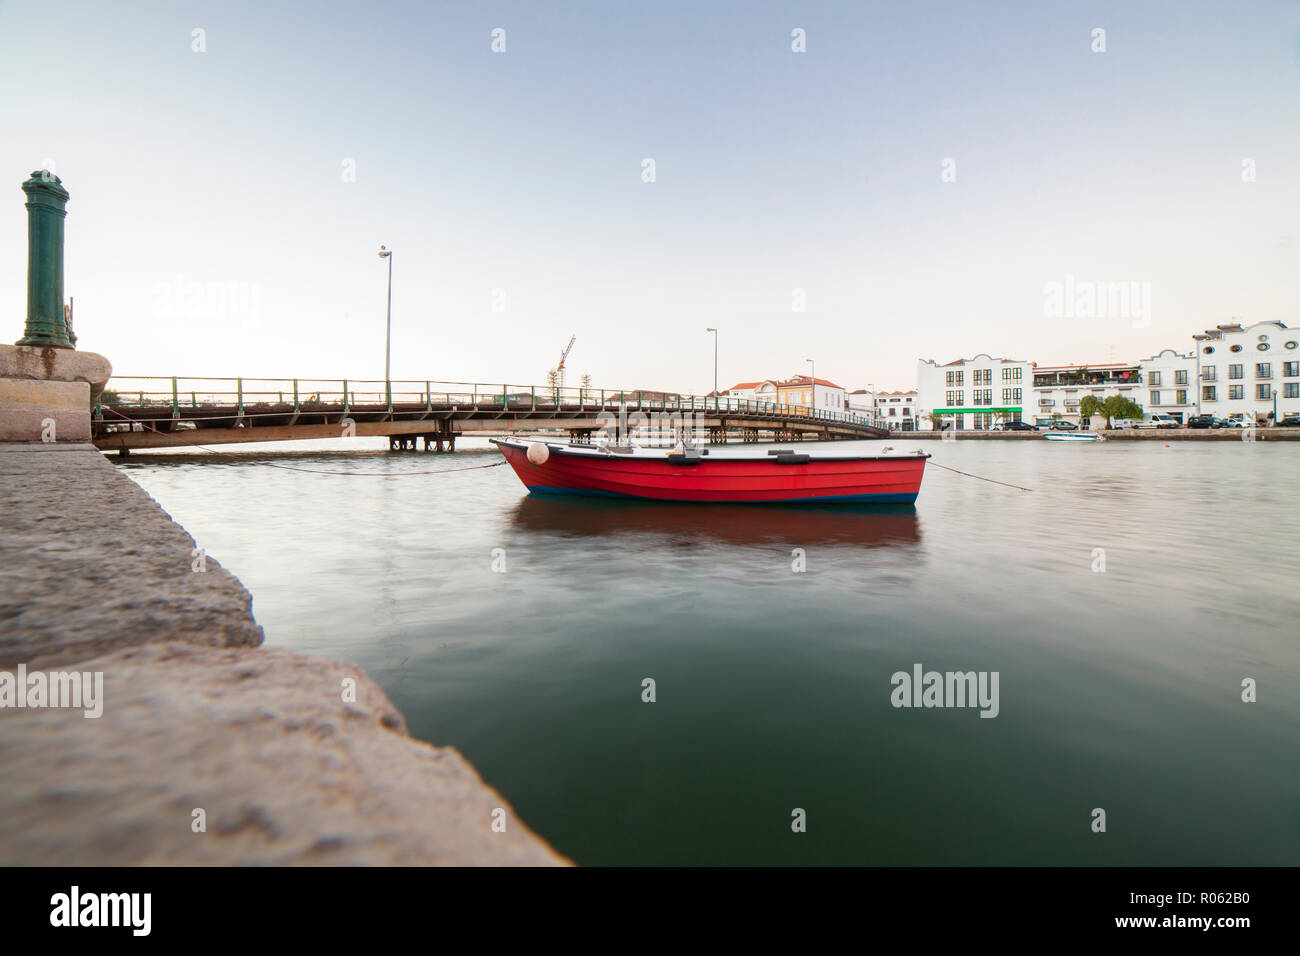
(936, 421)
(553, 383)
(1117, 406)
(1089, 406)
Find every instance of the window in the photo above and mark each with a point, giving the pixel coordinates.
(1291, 390)
(1207, 393)
(1264, 392)
(1154, 379)
(1011, 396)
(983, 396)
(1236, 371)
(955, 378)
(953, 399)
(1207, 374)
(1155, 398)
(1290, 369)
(1045, 403)
(1263, 369)
(1180, 376)
(1181, 396)
(1236, 393)
(1006, 373)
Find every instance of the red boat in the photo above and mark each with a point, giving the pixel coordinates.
(695, 475)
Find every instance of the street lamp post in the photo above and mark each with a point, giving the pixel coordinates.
(386, 253)
(814, 382)
(715, 365)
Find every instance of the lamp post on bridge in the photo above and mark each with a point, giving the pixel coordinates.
(715, 365)
(386, 253)
(814, 382)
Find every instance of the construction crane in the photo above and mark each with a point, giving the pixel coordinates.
(559, 369)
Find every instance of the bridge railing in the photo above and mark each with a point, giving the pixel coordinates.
(247, 398)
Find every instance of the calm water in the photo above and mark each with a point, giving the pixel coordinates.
(1119, 689)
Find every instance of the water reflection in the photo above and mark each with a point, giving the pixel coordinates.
(869, 526)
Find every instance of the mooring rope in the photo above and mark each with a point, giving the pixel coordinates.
(980, 477)
(310, 471)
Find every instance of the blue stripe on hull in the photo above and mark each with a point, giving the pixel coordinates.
(889, 499)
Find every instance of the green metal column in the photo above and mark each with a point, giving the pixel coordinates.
(46, 210)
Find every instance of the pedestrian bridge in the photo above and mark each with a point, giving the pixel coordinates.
(154, 412)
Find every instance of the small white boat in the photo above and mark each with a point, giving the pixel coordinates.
(1073, 436)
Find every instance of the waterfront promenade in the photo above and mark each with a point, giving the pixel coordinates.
(210, 748)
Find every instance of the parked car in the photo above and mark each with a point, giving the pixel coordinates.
(1204, 421)
(1123, 423)
(1291, 421)
(1159, 420)
(1014, 427)
(1063, 426)
(1237, 422)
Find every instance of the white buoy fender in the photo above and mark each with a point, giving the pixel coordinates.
(538, 453)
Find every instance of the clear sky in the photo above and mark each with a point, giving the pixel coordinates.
(213, 229)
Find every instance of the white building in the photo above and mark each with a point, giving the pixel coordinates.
(973, 393)
(1169, 384)
(745, 390)
(1251, 371)
(1059, 390)
(895, 410)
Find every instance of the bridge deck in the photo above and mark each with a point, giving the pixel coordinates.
(137, 413)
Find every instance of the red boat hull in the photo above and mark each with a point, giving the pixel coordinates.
(828, 480)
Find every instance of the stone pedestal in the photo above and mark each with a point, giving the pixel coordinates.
(46, 393)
